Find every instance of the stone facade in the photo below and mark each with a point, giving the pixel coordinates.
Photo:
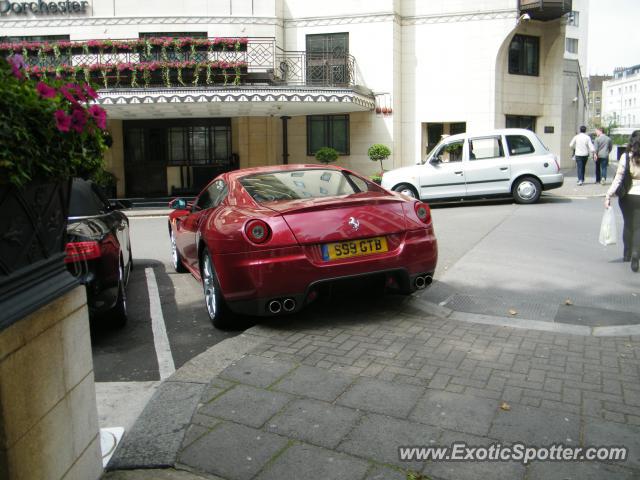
(48, 417)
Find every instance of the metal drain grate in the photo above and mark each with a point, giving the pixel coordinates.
(500, 307)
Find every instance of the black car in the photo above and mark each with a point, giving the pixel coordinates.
(99, 251)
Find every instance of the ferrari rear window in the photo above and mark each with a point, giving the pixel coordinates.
(297, 184)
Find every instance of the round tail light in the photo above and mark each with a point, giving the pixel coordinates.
(257, 231)
(423, 212)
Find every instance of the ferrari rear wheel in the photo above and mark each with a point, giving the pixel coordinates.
(219, 313)
(176, 258)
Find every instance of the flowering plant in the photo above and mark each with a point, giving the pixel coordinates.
(49, 129)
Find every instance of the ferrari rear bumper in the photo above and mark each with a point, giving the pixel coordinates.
(250, 282)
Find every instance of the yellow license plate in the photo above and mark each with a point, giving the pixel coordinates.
(354, 248)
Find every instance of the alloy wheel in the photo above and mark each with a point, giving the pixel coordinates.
(210, 296)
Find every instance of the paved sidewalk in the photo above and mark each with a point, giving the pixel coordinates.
(333, 396)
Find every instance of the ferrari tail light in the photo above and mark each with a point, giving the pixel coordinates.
(555, 159)
(257, 231)
(79, 251)
(423, 212)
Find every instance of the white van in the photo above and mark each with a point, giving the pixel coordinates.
(510, 161)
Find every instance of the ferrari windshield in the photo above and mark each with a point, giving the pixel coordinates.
(297, 184)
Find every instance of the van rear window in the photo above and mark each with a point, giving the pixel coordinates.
(519, 145)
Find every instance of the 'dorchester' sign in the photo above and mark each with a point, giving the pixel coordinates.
(42, 8)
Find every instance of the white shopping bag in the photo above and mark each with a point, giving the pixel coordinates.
(608, 229)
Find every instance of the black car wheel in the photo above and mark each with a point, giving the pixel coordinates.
(406, 189)
(176, 258)
(219, 313)
(527, 190)
(119, 312)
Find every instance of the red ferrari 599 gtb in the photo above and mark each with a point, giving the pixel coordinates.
(264, 241)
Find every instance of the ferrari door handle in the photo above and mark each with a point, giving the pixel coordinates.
(504, 168)
(458, 173)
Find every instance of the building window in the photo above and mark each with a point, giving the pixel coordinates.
(199, 142)
(328, 131)
(521, 121)
(574, 19)
(524, 53)
(571, 45)
(327, 59)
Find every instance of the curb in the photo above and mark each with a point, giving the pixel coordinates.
(156, 436)
(523, 323)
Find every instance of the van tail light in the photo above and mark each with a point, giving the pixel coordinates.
(423, 212)
(257, 231)
(555, 159)
(80, 251)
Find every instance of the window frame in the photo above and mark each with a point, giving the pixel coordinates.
(520, 120)
(570, 41)
(221, 194)
(521, 41)
(514, 154)
(328, 122)
(498, 138)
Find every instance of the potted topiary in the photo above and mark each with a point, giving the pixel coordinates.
(50, 132)
(326, 155)
(379, 152)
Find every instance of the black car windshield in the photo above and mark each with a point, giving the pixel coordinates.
(86, 199)
(297, 184)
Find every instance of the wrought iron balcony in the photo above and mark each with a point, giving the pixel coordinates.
(180, 62)
(545, 10)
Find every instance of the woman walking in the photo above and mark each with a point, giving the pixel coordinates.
(626, 185)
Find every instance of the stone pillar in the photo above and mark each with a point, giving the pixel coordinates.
(48, 418)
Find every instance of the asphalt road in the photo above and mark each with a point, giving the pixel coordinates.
(129, 354)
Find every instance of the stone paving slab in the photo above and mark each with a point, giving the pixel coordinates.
(316, 422)
(389, 379)
(307, 461)
(233, 451)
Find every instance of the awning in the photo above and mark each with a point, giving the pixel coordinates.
(232, 102)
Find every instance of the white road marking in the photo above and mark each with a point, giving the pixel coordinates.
(160, 338)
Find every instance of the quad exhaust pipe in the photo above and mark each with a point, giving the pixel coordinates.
(289, 304)
(276, 306)
(423, 281)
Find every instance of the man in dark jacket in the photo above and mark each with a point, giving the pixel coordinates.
(603, 146)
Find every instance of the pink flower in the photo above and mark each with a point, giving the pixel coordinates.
(99, 116)
(91, 93)
(67, 92)
(63, 121)
(45, 91)
(78, 119)
(17, 64)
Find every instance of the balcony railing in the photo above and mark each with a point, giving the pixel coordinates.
(545, 10)
(158, 62)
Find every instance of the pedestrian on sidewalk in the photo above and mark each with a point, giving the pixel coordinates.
(603, 146)
(583, 149)
(626, 185)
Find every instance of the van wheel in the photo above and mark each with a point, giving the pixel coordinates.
(406, 189)
(527, 190)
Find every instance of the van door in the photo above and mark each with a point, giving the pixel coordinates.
(487, 171)
(443, 175)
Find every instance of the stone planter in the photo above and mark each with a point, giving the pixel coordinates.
(33, 223)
